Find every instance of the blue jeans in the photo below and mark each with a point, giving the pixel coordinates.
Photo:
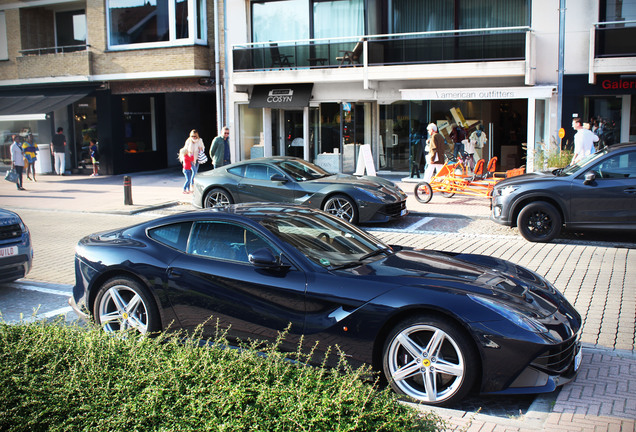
(188, 179)
(195, 170)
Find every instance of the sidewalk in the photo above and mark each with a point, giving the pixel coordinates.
(157, 189)
(101, 194)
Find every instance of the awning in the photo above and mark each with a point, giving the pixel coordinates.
(281, 96)
(33, 102)
(480, 93)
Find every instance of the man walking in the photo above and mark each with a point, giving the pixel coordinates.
(17, 160)
(437, 152)
(220, 149)
(584, 140)
(58, 148)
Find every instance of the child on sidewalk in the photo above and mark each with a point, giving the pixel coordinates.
(186, 160)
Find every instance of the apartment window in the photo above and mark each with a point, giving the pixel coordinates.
(70, 29)
(151, 23)
(617, 10)
(280, 20)
(435, 15)
(338, 18)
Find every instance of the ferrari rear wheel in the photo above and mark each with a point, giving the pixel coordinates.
(430, 360)
(124, 304)
(217, 198)
(342, 207)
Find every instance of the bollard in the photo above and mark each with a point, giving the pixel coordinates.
(127, 191)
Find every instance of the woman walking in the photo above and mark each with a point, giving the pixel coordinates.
(195, 146)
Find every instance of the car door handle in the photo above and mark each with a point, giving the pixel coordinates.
(174, 273)
(630, 190)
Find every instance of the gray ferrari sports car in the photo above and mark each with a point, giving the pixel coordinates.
(290, 180)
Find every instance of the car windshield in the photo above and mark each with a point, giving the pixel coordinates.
(324, 239)
(571, 169)
(301, 170)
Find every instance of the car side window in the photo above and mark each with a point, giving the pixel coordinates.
(256, 172)
(174, 235)
(237, 170)
(225, 241)
(620, 166)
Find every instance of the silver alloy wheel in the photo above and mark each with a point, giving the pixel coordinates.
(341, 207)
(426, 363)
(122, 308)
(217, 198)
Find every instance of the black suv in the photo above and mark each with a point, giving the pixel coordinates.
(598, 192)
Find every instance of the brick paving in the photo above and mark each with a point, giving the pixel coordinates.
(598, 278)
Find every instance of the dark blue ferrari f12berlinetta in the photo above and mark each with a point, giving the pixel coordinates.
(437, 325)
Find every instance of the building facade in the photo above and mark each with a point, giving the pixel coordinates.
(136, 76)
(317, 79)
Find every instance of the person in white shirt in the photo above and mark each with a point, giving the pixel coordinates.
(584, 140)
(193, 145)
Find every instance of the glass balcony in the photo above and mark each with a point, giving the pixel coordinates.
(455, 46)
(615, 39)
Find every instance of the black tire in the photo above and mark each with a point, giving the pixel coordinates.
(217, 197)
(123, 303)
(422, 349)
(341, 206)
(539, 222)
(423, 192)
(448, 194)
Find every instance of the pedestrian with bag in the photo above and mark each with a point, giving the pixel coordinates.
(195, 146)
(17, 160)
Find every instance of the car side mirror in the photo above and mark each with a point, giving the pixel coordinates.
(278, 178)
(589, 178)
(265, 258)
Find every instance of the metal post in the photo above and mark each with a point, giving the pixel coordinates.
(561, 64)
(127, 191)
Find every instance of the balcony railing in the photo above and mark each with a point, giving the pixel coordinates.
(452, 46)
(54, 50)
(615, 39)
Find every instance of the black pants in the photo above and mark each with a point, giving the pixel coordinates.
(19, 170)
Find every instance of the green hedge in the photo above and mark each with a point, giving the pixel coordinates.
(61, 378)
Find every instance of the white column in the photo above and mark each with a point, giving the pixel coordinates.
(306, 154)
(625, 117)
(532, 118)
(267, 131)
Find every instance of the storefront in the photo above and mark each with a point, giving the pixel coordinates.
(396, 129)
(608, 106)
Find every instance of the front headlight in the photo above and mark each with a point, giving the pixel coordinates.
(516, 317)
(375, 194)
(507, 190)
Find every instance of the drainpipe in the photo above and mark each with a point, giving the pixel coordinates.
(561, 63)
(217, 69)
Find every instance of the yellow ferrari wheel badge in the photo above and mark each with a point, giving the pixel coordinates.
(426, 362)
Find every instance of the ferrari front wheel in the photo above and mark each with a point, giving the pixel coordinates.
(430, 360)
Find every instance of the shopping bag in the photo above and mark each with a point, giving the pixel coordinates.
(202, 158)
(11, 176)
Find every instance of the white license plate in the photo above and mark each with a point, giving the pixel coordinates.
(8, 251)
(578, 358)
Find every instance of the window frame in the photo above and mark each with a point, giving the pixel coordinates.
(194, 20)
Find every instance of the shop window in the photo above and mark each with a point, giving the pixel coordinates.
(139, 124)
(250, 133)
(132, 24)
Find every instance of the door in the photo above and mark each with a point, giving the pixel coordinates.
(257, 185)
(611, 197)
(293, 133)
(215, 281)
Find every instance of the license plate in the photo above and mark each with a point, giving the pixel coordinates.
(8, 251)
(577, 359)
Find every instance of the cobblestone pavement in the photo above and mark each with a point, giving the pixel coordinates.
(598, 277)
